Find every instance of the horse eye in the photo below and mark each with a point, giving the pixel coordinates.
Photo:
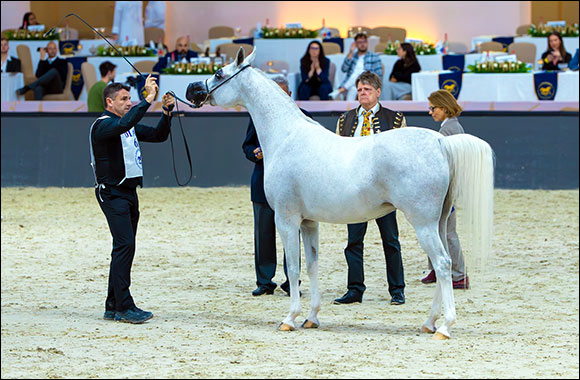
(218, 74)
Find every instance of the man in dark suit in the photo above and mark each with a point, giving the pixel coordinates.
(9, 64)
(181, 52)
(264, 227)
(51, 74)
(368, 119)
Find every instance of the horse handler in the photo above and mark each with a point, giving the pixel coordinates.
(368, 119)
(116, 160)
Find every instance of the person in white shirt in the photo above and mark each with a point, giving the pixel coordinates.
(128, 23)
(155, 14)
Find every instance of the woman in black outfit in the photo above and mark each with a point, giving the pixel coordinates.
(556, 53)
(314, 69)
(399, 83)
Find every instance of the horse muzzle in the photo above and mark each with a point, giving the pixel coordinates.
(196, 93)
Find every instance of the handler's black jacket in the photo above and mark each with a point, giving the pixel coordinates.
(107, 147)
(250, 143)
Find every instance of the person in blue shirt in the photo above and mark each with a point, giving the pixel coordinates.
(181, 52)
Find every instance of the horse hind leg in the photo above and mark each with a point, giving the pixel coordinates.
(289, 234)
(430, 240)
(309, 230)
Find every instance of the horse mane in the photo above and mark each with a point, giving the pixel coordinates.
(288, 101)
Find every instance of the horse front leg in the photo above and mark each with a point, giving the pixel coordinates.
(309, 231)
(290, 235)
(430, 241)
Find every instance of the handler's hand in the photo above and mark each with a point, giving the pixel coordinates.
(168, 101)
(151, 88)
(258, 153)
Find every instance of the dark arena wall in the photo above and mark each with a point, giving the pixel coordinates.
(534, 150)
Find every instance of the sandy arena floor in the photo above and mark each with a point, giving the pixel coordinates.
(194, 269)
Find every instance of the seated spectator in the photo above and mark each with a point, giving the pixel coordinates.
(28, 19)
(9, 64)
(556, 53)
(358, 60)
(181, 52)
(95, 100)
(399, 83)
(51, 74)
(314, 69)
(573, 64)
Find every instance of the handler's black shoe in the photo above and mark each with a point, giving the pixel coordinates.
(350, 297)
(109, 315)
(133, 315)
(397, 299)
(262, 290)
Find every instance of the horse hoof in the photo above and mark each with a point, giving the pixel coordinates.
(309, 325)
(425, 329)
(439, 336)
(284, 327)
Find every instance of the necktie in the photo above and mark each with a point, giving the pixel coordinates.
(366, 128)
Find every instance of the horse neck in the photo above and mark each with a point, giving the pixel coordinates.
(273, 112)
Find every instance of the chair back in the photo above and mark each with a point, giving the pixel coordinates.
(23, 52)
(491, 46)
(331, 48)
(380, 47)
(154, 34)
(275, 66)
(144, 66)
(220, 31)
(522, 30)
(524, 51)
(456, 47)
(397, 34)
(195, 47)
(331, 73)
(231, 49)
(67, 92)
(361, 29)
(89, 74)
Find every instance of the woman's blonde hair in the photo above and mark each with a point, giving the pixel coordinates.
(444, 99)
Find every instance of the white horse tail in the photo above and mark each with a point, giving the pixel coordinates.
(471, 165)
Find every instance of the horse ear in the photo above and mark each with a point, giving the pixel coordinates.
(250, 58)
(240, 56)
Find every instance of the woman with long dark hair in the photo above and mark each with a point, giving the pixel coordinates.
(399, 83)
(314, 69)
(28, 19)
(556, 53)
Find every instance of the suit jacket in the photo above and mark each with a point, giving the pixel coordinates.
(250, 143)
(13, 65)
(59, 64)
(451, 127)
(384, 120)
(163, 61)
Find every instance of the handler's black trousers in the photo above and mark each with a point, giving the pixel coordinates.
(121, 208)
(354, 254)
(265, 245)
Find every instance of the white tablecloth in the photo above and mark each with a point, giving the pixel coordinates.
(285, 49)
(570, 43)
(179, 83)
(10, 83)
(496, 87)
(32, 45)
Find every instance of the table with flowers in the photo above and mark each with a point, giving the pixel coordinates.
(508, 87)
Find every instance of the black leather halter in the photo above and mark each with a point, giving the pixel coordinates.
(209, 92)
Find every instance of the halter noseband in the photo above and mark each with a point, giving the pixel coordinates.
(219, 85)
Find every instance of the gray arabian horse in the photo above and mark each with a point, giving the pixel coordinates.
(312, 175)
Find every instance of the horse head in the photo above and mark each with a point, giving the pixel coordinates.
(212, 89)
